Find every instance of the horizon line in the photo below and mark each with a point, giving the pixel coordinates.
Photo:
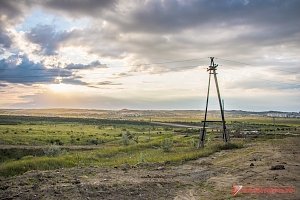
(129, 109)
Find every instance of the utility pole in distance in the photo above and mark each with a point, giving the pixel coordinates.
(212, 71)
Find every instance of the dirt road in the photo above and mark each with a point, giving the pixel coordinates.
(175, 125)
(206, 178)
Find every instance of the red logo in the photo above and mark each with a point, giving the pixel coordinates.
(236, 189)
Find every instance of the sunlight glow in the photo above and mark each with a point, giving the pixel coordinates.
(61, 87)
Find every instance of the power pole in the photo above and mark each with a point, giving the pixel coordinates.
(212, 71)
(149, 135)
(274, 124)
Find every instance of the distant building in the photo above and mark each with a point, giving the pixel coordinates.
(277, 114)
(284, 114)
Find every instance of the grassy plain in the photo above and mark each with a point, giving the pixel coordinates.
(46, 143)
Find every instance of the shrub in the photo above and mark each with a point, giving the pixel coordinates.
(193, 142)
(94, 141)
(129, 135)
(142, 158)
(56, 141)
(125, 139)
(167, 129)
(229, 145)
(53, 150)
(136, 139)
(72, 141)
(167, 145)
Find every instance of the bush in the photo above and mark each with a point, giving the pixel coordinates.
(229, 145)
(56, 141)
(142, 158)
(125, 139)
(193, 142)
(94, 141)
(129, 135)
(53, 150)
(167, 145)
(167, 129)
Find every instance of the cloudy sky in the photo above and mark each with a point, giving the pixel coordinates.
(152, 54)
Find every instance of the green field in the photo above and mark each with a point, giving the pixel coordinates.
(44, 143)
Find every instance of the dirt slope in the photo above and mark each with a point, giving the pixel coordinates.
(205, 178)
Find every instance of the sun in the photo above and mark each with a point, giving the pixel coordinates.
(60, 87)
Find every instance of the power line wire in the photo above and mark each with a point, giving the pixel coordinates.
(167, 62)
(247, 64)
(141, 64)
(48, 74)
(54, 70)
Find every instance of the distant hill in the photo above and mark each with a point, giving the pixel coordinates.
(143, 114)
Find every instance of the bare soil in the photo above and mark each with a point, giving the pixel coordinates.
(205, 178)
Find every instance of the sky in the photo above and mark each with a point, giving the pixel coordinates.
(152, 54)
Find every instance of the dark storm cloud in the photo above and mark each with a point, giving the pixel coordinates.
(10, 13)
(183, 29)
(151, 29)
(103, 42)
(80, 7)
(12, 10)
(5, 40)
(91, 65)
(270, 22)
(19, 69)
(47, 37)
(169, 16)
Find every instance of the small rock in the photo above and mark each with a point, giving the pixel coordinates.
(204, 162)
(161, 168)
(125, 167)
(277, 167)
(77, 181)
(4, 187)
(251, 165)
(57, 192)
(35, 186)
(167, 162)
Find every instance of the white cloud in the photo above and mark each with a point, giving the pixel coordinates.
(256, 44)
